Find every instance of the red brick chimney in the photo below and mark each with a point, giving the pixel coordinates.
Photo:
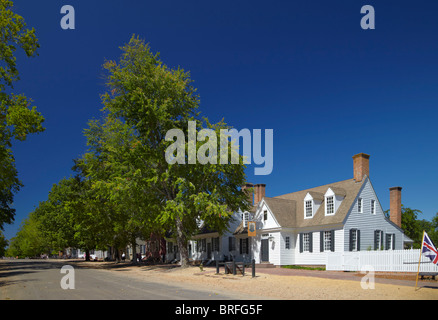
(246, 188)
(361, 166)
(395, 205)
(259, 192)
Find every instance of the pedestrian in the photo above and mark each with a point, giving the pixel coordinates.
(123, 257)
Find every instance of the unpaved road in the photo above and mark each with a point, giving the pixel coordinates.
(42, 279)
(39, 279)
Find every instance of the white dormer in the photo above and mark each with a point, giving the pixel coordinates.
(312, 201)
(333, 199)
(245, 217)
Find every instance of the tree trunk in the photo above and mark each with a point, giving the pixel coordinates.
(134, 251)
(87, 255)
(181, 240)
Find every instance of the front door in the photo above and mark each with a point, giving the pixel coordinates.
(265, 250)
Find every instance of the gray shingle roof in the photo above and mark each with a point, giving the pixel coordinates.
(288, 209)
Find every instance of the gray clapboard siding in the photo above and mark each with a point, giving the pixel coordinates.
(367, 223)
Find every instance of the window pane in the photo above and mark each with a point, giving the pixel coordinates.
(330, 205)
(308, 208)
(327, 240)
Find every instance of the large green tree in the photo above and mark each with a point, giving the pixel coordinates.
(152, 99)
(112, 166)
(18, 117)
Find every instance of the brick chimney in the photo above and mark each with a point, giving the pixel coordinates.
(259, 192)
(246, 188)
(395, 205)
(361, 166)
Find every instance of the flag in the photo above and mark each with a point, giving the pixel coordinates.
(429, 249)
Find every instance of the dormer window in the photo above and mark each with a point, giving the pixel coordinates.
(245, 218)
(330, 205)
(309, 209)
(312, 201)
(333, 199)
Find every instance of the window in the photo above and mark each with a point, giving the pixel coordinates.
(330, 205)
(378, 239)
(373, 206)
(287, 243)
(327, 240)
(231, 243)
(244, 246)
(359, 205)
(265, 215)
(390, 241)
(309, 209)
(245, 219)
(215, 244)
(354, 240)
(306, 242)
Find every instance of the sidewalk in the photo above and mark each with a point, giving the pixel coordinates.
(401, 279)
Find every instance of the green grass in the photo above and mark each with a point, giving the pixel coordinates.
(304, 268)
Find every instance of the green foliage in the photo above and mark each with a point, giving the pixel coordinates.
(151, 99)
(17, 117)
(124, 188)
(3, 244)
(29, 241)
(303, 268)
(413, 227)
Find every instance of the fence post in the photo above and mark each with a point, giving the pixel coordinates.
(234, 267)
(253, 268)
(217, 266)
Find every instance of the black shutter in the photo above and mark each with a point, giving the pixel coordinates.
(393, 241)
(321, 241)
(351, 240)
(332, 241)
(240, 246)
(310, 242)
(247, 245)
(376, 245)
(358, 239)
(301, 242)
(387, 242)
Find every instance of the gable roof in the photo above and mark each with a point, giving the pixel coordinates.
(288, 209)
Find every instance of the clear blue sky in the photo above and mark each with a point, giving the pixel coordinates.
(305, 69)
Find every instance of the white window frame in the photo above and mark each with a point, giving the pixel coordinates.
(373, 206)
(391, 240)
(327, 211)
(306, 207)
(327, 240)
(360, 205)
(354, 240)
(306, 242)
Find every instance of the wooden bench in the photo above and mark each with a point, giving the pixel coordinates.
(240, 267)
(428, 274)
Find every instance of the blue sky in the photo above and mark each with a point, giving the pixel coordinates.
(305, 69)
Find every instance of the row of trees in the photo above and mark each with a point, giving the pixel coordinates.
(123, 187)
(18, 118)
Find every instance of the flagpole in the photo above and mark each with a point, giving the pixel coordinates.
(419, 260)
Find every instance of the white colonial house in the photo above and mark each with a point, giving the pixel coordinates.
(300, 228)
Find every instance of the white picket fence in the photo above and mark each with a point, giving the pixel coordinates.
(387, 260)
